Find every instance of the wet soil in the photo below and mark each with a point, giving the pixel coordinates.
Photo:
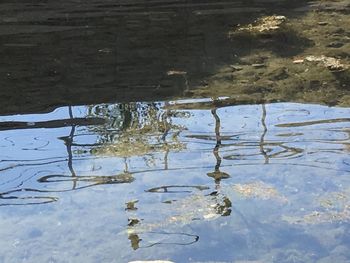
(304, 60)
(73, 53)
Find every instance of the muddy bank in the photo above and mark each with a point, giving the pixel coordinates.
(73, 53)
(303, 59)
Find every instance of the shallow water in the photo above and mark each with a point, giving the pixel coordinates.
(143, 130)
(255, 182)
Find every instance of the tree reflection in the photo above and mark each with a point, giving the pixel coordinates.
(126, 130)
(68, 142)
(191, 207)
(136, 129)
(262, 138)
(223, 206)
(217, 174)
(122, 130)
(135, 241)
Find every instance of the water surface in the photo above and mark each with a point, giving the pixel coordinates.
(179, 130)
(173, 181)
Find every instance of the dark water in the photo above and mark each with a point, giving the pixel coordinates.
(108, 153)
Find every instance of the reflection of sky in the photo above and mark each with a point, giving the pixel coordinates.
(21, 144)
(59, 113)
(89, 224)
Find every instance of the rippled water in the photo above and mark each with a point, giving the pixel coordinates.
(181, 180)
(144, 130)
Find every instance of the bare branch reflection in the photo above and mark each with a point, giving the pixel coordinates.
(217, 174)
(262, 139)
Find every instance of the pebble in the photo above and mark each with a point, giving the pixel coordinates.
(335, 44)
(258, 65)
(323, 23)
(236, 68)
(298, 61)
(176, 72)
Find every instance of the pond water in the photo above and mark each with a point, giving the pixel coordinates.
(190, 131)
(115, 182)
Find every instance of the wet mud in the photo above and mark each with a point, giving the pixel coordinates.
(73, 53)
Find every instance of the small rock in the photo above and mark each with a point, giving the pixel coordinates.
(331, 63)
(176, 72)
(298, 61)
(323, 23)
(279, 74)
(236, 68)
(105, 50)
(335, 44)
(258, 65)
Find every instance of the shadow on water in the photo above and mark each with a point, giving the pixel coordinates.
(72, 53)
